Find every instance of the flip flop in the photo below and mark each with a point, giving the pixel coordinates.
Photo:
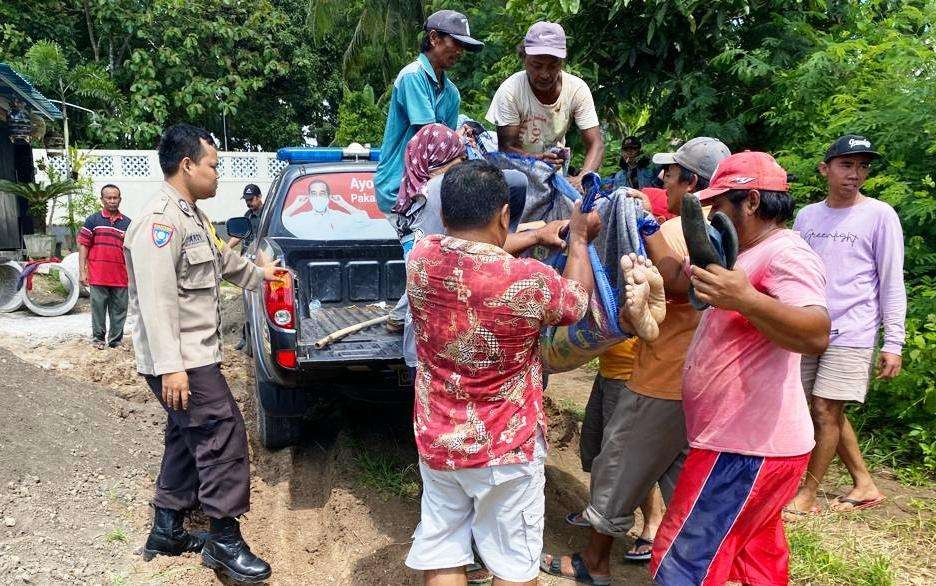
(858, 505)
(577, 520)
(798, 515)
(632, 554)
(554, 568)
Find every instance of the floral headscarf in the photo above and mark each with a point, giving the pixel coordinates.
(433, 146)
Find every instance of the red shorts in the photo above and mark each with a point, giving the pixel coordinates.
(723, 522)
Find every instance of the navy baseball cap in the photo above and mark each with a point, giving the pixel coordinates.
(851, 144)
(251, 190)
(454, 24)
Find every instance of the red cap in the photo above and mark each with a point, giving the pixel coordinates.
(746, 170)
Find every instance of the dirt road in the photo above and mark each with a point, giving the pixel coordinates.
(80, 441)
(77, 476)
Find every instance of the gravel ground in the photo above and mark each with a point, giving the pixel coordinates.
(75, 324)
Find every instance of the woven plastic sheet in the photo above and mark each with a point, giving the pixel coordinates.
(551, 197)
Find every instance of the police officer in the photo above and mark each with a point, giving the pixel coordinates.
(175, 263)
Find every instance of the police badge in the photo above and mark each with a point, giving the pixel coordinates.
(162, 234)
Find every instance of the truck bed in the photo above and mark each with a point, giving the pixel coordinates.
(373, 343)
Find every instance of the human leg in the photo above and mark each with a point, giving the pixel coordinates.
(510, 506)
(838, 376)
(99, 297)
(176, 492)
(722, 501)
(592, 425)
(442, 541)
(652, 512)
(214, 431)
(827, 420)
(864, 489)
(117, 313)
(641, 441)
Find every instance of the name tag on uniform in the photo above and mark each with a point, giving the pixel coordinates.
(194, 238)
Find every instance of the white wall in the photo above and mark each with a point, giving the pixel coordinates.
(138, 176)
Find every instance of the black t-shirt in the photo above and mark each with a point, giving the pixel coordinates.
(254, 218)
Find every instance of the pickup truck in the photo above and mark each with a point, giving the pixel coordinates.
(320, 219)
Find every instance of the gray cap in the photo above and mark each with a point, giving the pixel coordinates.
(700, 155)
(454, 24)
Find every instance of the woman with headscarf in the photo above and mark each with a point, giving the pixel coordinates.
(429, 154)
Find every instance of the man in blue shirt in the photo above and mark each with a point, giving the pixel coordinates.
(422, 94)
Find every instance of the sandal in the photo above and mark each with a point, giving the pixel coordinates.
(554, 568)
(577, 520)
(635, 555)
(791, 514)
(856, 504)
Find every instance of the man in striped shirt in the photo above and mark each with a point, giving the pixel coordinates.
(101, 262)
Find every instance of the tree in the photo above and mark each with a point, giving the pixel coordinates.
(359, 119)
(46, 65)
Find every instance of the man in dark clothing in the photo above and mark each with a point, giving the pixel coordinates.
(637, 171)
(254, 207)
(102, 269)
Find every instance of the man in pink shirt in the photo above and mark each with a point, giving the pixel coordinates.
(747, 421)
(861, 242)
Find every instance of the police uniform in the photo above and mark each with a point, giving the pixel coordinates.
(175, 263)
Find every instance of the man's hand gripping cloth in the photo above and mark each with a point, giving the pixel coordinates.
(550, 197)
(715, 243)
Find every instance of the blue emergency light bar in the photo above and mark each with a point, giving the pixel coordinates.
(299, 155)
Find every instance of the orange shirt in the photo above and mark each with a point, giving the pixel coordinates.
(659, 364)
(618, 361)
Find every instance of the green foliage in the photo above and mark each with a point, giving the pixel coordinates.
(360, 119)
(252, 69)
(39, 195)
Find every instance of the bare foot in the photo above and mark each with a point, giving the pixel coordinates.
(635, 315)
(657, 293)
(802, 506)
(858, 499)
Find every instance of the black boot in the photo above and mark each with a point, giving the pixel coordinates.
(226, 551)
(168, 537)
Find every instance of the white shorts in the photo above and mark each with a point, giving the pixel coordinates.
(502, 507)
(840, 373)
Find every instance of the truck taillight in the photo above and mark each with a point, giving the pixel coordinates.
(279, 301)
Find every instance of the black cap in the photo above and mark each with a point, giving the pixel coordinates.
(251, 190)
(851, 144)
(454, 24)
(631, 142)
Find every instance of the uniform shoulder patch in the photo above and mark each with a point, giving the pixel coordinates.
(162, 234)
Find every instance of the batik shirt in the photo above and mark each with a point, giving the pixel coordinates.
(477, 313)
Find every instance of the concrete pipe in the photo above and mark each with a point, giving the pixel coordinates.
(54, 309)
(11, 298)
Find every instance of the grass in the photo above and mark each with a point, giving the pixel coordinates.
(812, 562)
(386, 473)
(116, 535)
(572, 409)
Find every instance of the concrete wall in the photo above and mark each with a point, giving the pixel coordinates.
(138, 175)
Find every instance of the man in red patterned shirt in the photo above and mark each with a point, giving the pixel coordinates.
(478, 420)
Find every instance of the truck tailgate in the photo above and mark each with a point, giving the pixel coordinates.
(373, 343)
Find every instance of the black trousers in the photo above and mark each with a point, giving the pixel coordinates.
(205, 457)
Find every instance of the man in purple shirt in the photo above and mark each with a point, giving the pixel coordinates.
(861, 243)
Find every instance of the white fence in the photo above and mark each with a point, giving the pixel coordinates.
(138, 176)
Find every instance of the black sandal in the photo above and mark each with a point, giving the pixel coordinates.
(554, 568)
(640, 557)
